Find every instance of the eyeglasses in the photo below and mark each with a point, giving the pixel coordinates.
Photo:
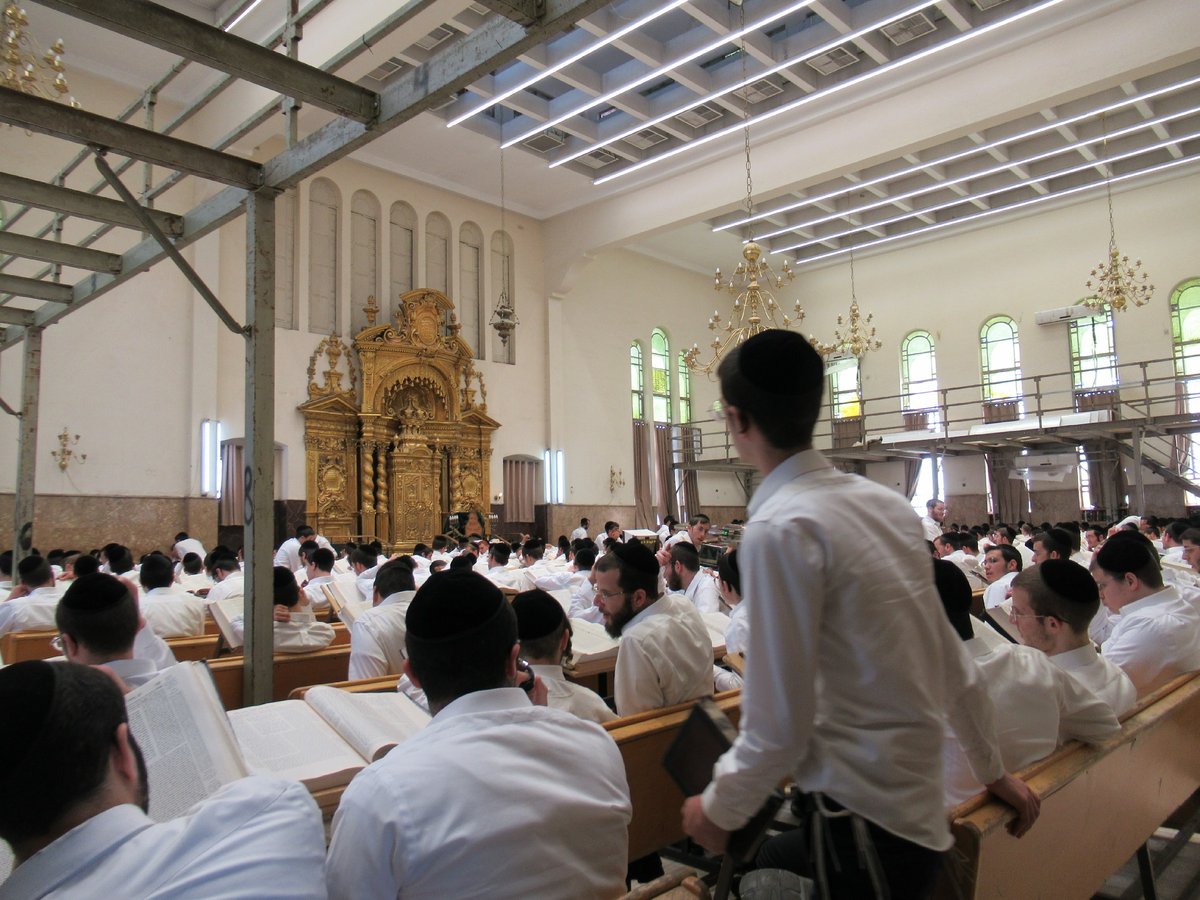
(1016, 615)
(57, 643)
(608, 595)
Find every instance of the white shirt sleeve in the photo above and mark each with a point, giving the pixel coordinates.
(367, 659)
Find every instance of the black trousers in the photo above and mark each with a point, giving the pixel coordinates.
(908, 868)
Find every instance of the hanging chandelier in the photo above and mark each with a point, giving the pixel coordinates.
(26, 68)
(754, 306)
(504, 318)
(1116, 283)
(858, 339)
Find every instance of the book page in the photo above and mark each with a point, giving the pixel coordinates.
(345, 599)
(224, 611)
(563, 596)
(289, 739)
(178, 722)
(589, 641)
(371, 723)
(716, 623)
(6, 861)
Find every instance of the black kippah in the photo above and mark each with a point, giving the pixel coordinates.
(955, 593)
(280, 576)
(538, 614)
(636, 555)
(451, 606)
(1069, 580)
(26, 702)
(94, 593)
(781, 362)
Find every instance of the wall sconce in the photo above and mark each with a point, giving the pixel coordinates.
(64, 454)
(615, 479)
(497, 498)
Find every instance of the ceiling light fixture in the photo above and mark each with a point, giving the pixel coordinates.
(504, 318)
(850, 82)
(859, 337)
(26, 68)
(754, 306)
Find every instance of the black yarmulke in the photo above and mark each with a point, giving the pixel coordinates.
(452, 605)
(538, 614)
(26, 701)
(780, 362)
(94, 593)
(955, 592)
(1070, 580)
(637, 556)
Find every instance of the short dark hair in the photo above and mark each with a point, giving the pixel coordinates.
(697, 519)
(85, 565)
(629, 579)
(34, 571)
(156, 572)
(534, 547)
(1076, 610)
(67, 716)
(322, 558)
(585, 558)
(284, 590)
(99, 613)
(610, 525)
(192, 563)
(933, 501)
(500, 553)
(364, 557)
(727, 570)
(420, 549)
(461, 631)
(182, 536)
(583, 523)
(440, 542)
(463, 561)
(1009, 554)
(303, 531)
(1130, 551)
(776, 379)
(1176, 530)
(225, 563)
(308, 548)
(120, 559)
(6, 559)
(394, 576)
(1192, 536)
(1054, 541)
(685, 553)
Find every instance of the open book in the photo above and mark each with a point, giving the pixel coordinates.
(590, 643)
(345, 600)
(190, 750)
(326, 738)
(224, 611)
(716, 623)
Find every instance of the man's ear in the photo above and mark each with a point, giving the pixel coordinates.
(411, 673)
(124, 760)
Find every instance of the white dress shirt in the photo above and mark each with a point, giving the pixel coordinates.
(574, 698)
(173, 612)
(666, 657)
(738, 630)
(495, 798)
(198, 582)
(148, 645)
(996, 592)
(258, 838)
(583, 602)
(377, 638)
(33, 612)
(1155, 639)
(233, 585)
(850, 659)
(134, 672)
(316, 596)
(931, 527)
(703, 593)
(1038, 706)
(189, 545)
(302, 634)
(365, 582)
(1101, 676)
(578, 534)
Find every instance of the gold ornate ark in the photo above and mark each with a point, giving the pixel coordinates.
(407, 441)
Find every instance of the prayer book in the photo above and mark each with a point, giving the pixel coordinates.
(716, 623)
(345, 600)
(223, 612)
(1000, 618)
(325, 739)
(590, 643)
(190, 751)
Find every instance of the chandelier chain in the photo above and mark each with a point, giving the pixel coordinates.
(746, 121)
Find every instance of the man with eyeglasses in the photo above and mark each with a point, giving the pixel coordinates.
(1000, 566)
(1156, 633)
(1053, 603)
(666, 653)
(852, 671)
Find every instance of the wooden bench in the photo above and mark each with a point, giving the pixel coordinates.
(292, 670)
(18, 646)
(1099, 805)
(643, 740)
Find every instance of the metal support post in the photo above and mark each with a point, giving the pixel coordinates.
(27, 441)
(1139, 481)
(260, 445)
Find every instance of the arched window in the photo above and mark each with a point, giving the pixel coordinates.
(1185, 332)
(503, 279)
(364, 256)
(637, 380)
(845, 390)
(437, 253)
(660, 375)
(324, 206)
(1093, 352)
(286, 207)
(685, 390)
(918, 372)
(470, 284)
(403, 251)
(1000, 360)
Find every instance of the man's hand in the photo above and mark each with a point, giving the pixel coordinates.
(700, 828)
(663, 556)
(19, 590)
(1022, 798)
(281, 613)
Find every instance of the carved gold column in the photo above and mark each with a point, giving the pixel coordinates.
(383, 520)
(366, 455)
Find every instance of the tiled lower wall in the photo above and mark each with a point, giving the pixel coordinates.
(140, 523)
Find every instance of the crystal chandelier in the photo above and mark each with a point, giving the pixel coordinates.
(504, 318)
(1116, 283)
(754, 306)
(26, 68)
(859, 337)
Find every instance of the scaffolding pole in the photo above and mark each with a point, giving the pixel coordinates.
(27, 441)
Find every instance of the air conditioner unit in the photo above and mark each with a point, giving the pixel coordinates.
(837, 58)
(699, 116)
(548, 140)
(1063, 314)
(646, 138)
(908, 29)
(598, 159)
(836, 362)
(1044, 467)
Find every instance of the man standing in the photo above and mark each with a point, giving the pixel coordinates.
(666, 653)
(1053, 603)
(581, 532)
(494, 797)
(935, 515)
(288, 553)
(850, 660)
